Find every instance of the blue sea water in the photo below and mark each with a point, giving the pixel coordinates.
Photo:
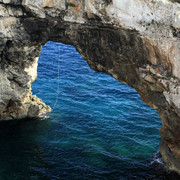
(98, 129)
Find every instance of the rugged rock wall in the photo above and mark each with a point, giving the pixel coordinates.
(135, 41)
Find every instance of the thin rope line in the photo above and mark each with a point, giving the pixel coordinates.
(1, 90)
(58, 80)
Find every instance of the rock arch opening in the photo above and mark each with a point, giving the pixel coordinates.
(96, 105)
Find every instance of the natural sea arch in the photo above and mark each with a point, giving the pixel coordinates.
(139, 50)
(117, 52)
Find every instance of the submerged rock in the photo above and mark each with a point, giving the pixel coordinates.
(135, 41)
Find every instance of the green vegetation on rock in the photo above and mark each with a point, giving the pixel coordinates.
(67, 4)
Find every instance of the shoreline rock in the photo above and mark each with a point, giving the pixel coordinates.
(137, 42)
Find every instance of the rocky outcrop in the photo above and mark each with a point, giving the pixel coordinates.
(135, 41)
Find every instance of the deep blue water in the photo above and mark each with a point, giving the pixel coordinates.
(99, 128)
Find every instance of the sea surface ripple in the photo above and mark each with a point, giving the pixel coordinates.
(99, 128)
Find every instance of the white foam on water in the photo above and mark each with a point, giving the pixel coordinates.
(157, 159)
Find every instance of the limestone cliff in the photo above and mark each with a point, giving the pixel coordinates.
(135, 41)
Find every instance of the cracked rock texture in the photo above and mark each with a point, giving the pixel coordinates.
(135, 41)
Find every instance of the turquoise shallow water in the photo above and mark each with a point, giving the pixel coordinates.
(99, 129)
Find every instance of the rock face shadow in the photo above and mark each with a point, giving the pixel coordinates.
(137, 46)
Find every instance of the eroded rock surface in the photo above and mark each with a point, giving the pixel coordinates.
(135, 41)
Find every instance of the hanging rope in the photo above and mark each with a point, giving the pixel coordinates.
(1, 91)
(1, 88)
(58, 79)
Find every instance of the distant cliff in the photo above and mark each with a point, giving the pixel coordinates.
(135, 41)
